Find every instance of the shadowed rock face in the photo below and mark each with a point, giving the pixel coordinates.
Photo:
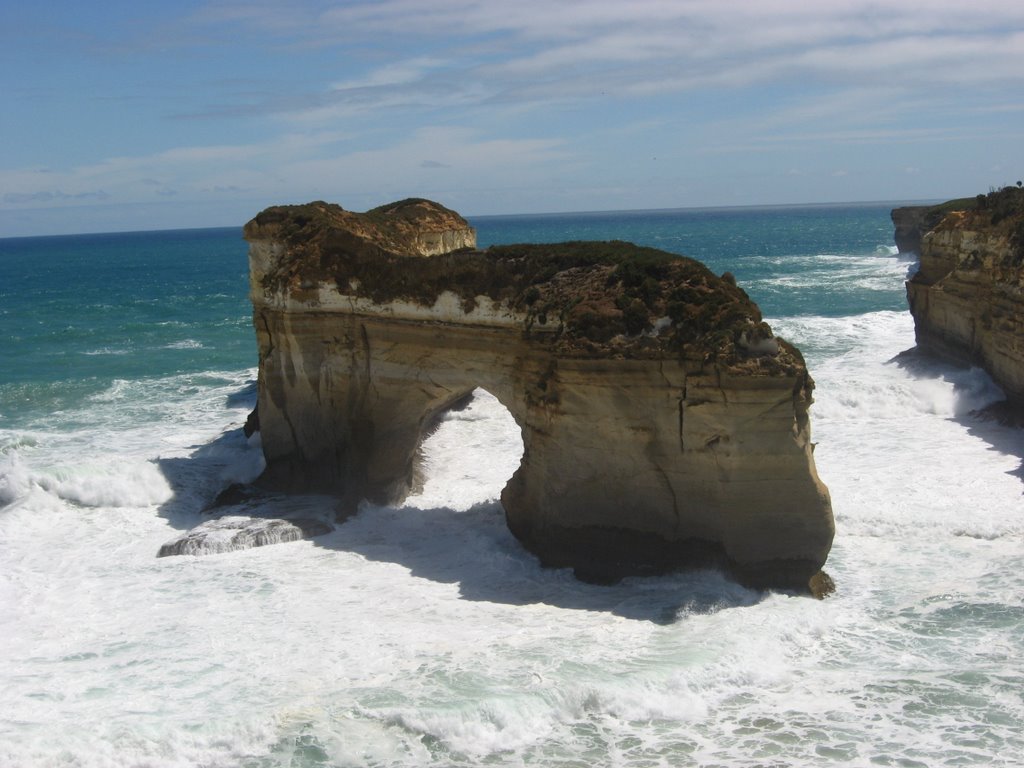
(663, 424)
(967, 298)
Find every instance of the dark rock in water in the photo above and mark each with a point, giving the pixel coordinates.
(235, 494)
(1002, 412)
(252, 424)
(822, 585)
(235, 532)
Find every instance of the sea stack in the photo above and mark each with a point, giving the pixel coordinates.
(663, 424)
(967, 297)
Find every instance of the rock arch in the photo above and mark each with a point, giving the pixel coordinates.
(468, 454)
(662, 422)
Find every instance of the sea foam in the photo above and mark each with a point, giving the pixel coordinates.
(425, 635)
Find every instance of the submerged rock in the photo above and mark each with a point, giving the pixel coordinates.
(967, 298)
(663, 423)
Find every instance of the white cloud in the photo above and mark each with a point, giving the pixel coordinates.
(536, 52)
(553, 102)
(393, 73)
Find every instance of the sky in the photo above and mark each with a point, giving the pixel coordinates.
(141, 115)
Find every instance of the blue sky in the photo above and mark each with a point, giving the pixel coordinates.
(137, 115)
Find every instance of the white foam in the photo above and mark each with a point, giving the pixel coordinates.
(185, 344)
(897, 443)
(116, 351)
(425, 635)
(15, 481)
(471, 455)
(112, 483)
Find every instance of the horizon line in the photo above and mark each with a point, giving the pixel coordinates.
(594, 212)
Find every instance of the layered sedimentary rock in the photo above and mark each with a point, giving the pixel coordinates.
(662, 422)
(967, 297)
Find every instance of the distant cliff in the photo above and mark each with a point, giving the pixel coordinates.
(967, 297)
(663, 423)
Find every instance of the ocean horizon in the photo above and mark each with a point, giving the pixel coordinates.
(424, 634)
(546, 214)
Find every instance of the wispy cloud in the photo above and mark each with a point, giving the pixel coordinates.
(555, 102)
(537, 53)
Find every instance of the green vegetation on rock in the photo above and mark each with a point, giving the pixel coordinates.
(608, 298)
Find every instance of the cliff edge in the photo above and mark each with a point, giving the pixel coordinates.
(967, 297)
(663, 423)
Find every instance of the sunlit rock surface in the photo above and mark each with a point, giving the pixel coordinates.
(967, 298)
(663, 424)
(233, 532)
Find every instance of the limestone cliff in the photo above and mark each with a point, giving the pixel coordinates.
(911, 223)
(662, 422)
(967, 297)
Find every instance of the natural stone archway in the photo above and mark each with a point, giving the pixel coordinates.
(662, 423)
(467, 455)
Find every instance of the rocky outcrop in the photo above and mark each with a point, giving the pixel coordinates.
(663, 424)
(245, 516)
(911, 223)
(967, 297)
(234, 532)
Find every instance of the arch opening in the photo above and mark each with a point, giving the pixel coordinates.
(468, 452)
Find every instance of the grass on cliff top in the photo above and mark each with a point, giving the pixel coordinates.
(599, 298)
(960, 204)
(592, 294)
(1000, 207)
(1002, 203)
(389, 225)
(999, 203)
(539, 262)
(411, 209)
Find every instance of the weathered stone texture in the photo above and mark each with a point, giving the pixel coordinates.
(967, 298)
(685, 441)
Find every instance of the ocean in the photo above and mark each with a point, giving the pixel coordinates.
(424, 635)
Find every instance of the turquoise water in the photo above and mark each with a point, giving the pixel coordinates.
(423, 634)
(82, 311)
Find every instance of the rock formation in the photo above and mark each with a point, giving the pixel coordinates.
(663, 424)
(967, 297)
(233, 532)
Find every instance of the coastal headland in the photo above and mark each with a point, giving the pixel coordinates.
(663, 423)
(967, 297)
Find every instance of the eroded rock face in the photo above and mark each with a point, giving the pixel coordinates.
(967, 298)
(663, 424)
